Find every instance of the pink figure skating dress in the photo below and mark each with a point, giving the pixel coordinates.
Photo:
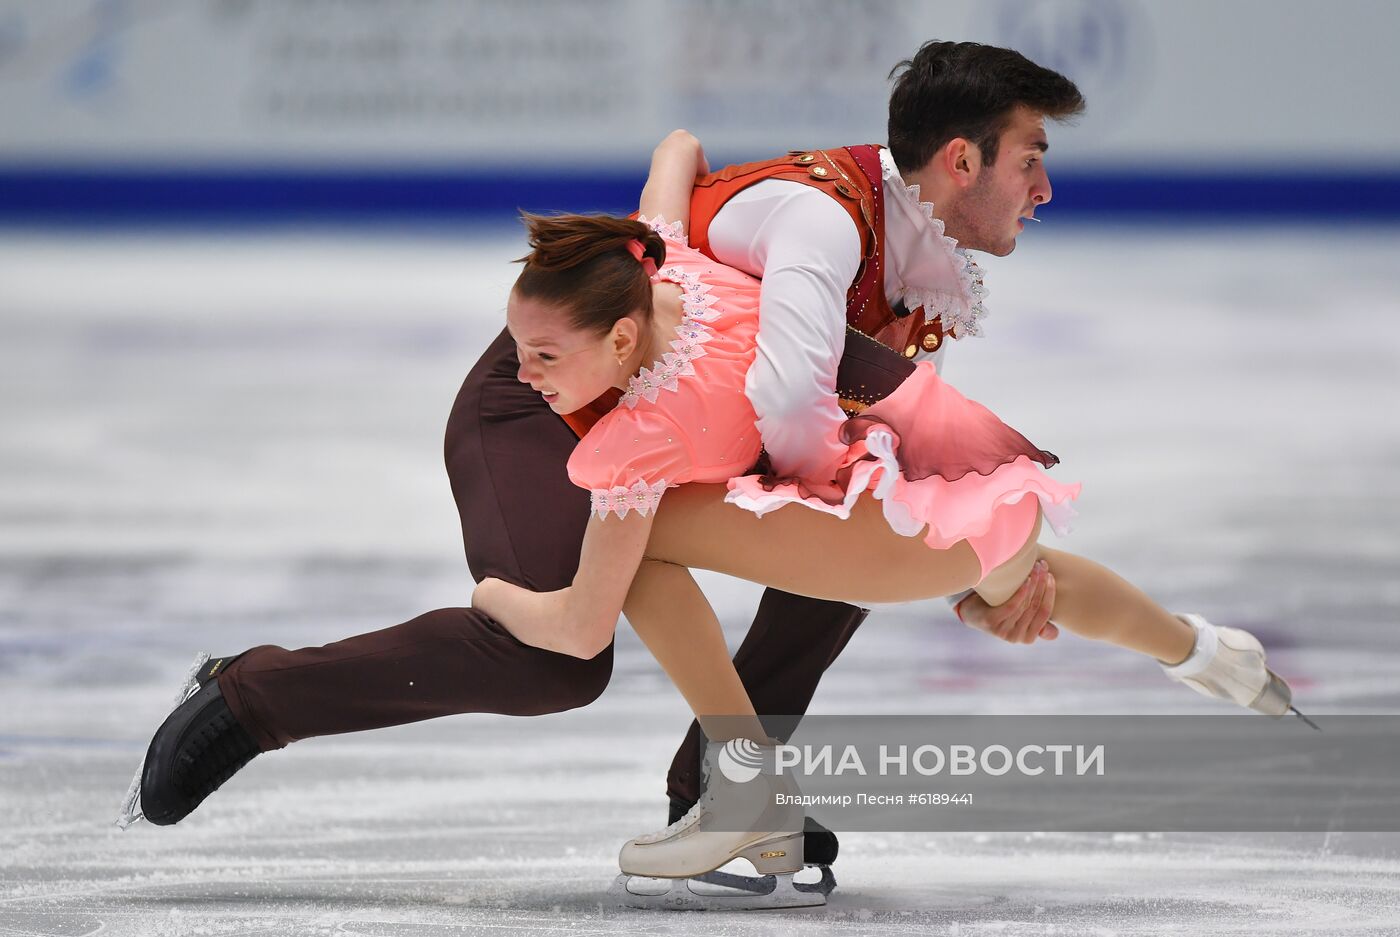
(941, 465)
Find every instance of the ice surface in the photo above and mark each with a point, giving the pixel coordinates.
(213, 442)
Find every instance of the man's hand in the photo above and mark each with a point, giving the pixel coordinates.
(1021, 618)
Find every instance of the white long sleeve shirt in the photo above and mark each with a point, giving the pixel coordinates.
(807, 251)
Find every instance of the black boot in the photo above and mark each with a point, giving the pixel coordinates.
(819, 845)
(198, 747)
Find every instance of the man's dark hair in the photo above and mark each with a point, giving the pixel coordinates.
(969, 90)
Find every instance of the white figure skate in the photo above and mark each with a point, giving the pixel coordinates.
(1228, 664)
(744, 791)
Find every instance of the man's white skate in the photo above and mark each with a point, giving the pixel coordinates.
(677, 868)
(1228, 664)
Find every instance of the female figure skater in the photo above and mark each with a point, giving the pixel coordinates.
(936, 496)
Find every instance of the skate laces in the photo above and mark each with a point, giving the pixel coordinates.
(707, 798)
(685, 819)
(215, 751)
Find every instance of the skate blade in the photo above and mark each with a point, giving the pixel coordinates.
(131, 803)
(763, 884)
(697, 894)
(1296, 712)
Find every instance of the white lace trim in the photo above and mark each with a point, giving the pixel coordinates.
(691, 334)
(648, 383)
(958, 303)
(641, 497)
(675, 230)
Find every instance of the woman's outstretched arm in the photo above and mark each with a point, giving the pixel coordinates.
(578, 620)
(675, 164)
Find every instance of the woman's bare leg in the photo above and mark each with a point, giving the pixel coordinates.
(859, 560)
(1095, 602)
(862, 560)
(1001, 583)
(676, 622)
(794, 549)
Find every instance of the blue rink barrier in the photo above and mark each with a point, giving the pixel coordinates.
(214, 195)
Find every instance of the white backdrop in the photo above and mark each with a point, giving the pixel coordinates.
(542, 83)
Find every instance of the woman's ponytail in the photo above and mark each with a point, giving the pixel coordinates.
(584, 264)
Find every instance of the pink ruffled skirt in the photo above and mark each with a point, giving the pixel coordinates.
(940, 465)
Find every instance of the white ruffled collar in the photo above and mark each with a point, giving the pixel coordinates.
(933, 272)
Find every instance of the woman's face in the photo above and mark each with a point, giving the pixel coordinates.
(569, 367)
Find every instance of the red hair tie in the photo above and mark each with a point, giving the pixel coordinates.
(639, 251)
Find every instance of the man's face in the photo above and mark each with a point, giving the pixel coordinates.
(986, 216)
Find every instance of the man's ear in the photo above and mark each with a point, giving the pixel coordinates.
(961, 160)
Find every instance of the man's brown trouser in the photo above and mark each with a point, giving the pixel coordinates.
(523, 521)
